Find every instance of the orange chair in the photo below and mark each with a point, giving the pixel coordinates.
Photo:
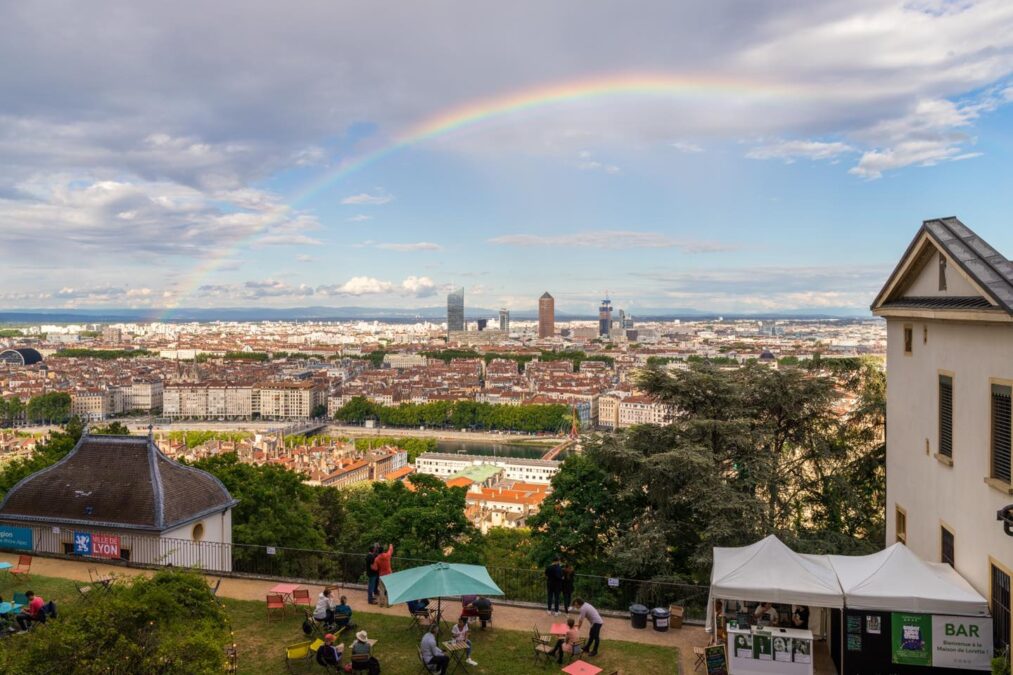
(24, 567)
(276, 602)
(301, 596)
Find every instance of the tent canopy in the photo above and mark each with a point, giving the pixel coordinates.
(770, 571)
(897, 580)
(438, 580)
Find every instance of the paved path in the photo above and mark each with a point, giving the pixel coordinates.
(514, 618)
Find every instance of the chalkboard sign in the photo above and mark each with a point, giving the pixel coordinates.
(717, 660)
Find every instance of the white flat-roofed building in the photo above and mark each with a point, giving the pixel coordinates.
(445, 464)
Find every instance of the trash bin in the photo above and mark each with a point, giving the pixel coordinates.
(676, 616)
(659, 617)
(638, 616)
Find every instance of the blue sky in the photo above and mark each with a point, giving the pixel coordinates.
(170, 168)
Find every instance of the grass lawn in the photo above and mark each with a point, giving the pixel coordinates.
(261, 643)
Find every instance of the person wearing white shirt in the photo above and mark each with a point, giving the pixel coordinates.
(325, 607)
(460, 633)
(586, 612)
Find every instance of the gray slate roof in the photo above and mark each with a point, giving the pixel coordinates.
(991, 270)
(117, 482)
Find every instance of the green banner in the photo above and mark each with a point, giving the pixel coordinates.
(911, 637)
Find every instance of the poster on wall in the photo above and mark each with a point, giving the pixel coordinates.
(873, 625)
(962, 642)
(743, 646)
(911, 639)
(16, 538)
(854, 624)
(803, 651)
(762, 648)
(854, 643)
(97, 545)
(782, 649)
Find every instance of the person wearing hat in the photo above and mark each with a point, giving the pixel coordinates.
(329, 654)
(362, 654)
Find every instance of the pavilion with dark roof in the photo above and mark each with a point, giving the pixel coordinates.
(159, 511)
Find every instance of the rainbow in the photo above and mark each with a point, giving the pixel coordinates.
(516, 103)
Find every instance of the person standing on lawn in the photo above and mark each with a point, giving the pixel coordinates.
(371, 576)
(586, 611)
(554, 585)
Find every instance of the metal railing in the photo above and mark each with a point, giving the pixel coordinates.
(338, 567)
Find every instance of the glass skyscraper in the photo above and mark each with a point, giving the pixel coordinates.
(455, 310)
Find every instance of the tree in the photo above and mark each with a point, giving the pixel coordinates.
(356, 411)
(168, 624)
(426, 522)
(319, 410)
(113, 429)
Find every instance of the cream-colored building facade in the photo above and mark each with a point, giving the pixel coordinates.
(949, 312)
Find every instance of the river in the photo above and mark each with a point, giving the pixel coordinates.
(500, 449)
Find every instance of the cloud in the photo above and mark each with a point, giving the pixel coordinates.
(790, 150)
(365, 198)
(613, 239)
(417, 286)
(420, 287)
(586, 163)
(685, 146)
(415, 246)
(359, 218)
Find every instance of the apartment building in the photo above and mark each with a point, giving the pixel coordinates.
(948, 307)
(288, 400)
(401, 360)
(207, 401)
(623, 409)
(444, 464)
(144, 396)
(96, 404)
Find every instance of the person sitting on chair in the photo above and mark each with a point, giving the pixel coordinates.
(329, 654)
(460, 633)
(343, 614)
(433, 656)
(417, 605)
(483, 609)
(568, 643)
(362, 654)
(325, 608)
(32, 611)
(467, 606)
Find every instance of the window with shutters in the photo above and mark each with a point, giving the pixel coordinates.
(908, 339)
(1002, 431)
(1000, 608)
(946, 554)
(946, 416)
(901, 525)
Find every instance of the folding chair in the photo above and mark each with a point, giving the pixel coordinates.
(422, 619)
(581, 646)
(701, 656)
(24, 567)
(83, 590)
(542, 649)
(276, 602)
(426, 668)
(301, 596)
(96, 578)
(298, 653)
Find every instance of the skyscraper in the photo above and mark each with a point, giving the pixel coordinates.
(455, 310)
(504, 320)
(546, 316)
(605, 317)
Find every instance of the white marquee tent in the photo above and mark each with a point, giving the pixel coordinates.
(897, 580)
(770, 571)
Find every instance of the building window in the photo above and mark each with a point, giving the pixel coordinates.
(1000, 609)
(901, 525)
(908, 339)
(942, 272)
(946, 553)
(946, 416)
(1002, 426)
(198, 532)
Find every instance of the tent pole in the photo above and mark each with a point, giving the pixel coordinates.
(843, 617)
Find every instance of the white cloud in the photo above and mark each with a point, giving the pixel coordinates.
(687, 147)
(365, 198)
(790, 150)
(359, 218)
(414, 246)
(420, 287)
(586, 163)
(358, 286)
(613, 239)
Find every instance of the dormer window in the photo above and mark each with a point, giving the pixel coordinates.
(942, 272)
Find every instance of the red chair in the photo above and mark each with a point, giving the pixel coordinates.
(276, 602)
(301, 596)
(24, 567)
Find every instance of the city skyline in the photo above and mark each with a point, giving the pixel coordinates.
(682, 157)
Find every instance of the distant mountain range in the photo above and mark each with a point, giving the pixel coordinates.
(436, 314)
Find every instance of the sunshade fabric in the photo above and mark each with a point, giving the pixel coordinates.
(897, 580)
(770, 571)
(438, 580)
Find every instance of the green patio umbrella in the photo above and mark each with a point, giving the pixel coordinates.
(438, 580)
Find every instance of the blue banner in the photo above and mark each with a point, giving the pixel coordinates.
(82, 543)
(18, 538)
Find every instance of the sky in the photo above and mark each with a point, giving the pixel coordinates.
(721, 155)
